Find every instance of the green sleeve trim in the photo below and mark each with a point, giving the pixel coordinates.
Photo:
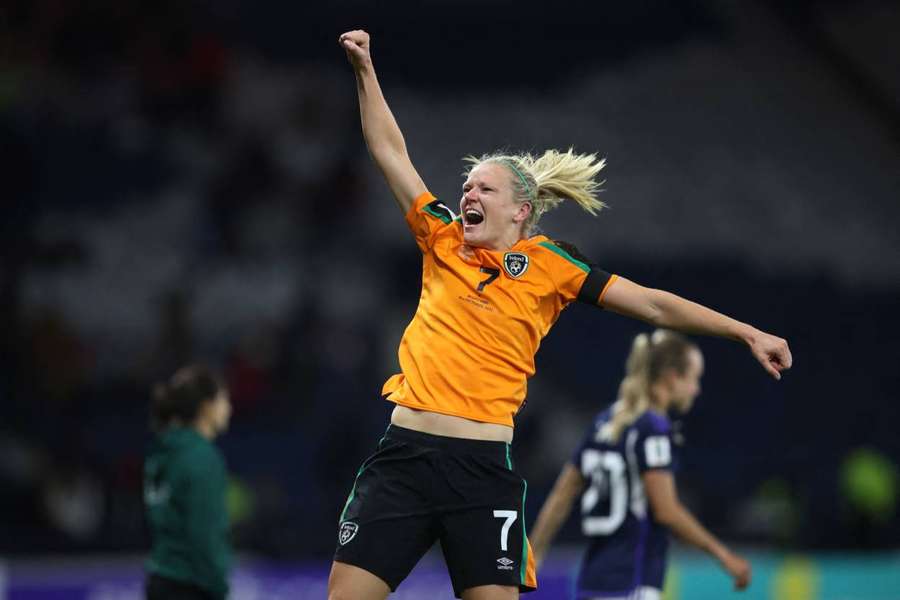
(554, 248)
(446, 220)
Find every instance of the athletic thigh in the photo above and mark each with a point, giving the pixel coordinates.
(491, 592)
(347, 582)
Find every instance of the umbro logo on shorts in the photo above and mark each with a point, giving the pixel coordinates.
(505, 564)
(347, 532)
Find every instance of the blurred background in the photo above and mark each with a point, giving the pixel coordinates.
(187, 181)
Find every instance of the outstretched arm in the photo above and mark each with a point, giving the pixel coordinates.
(383, 136)
(668, 511)
(663, 309)
(555, 511)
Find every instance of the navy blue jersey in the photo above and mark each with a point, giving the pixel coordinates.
(627, 547)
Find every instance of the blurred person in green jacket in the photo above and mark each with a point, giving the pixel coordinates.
(185, 482)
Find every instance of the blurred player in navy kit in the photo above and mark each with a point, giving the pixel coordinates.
(623, 471)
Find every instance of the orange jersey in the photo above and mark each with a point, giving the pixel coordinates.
(470, 347)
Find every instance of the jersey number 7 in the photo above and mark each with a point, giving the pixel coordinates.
(494, 274)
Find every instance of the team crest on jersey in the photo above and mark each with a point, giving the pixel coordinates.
(348, 532)
(515, 264)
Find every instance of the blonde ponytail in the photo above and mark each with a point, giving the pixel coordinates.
(547, 180)
(650, 356)
(634, 391)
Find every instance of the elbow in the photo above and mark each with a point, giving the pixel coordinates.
(655, 313)
(667, 515)
(384, 150)
(668, 311)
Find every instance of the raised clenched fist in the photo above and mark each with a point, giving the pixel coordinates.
(356, 44)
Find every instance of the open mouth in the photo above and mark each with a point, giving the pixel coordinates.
(472, 216)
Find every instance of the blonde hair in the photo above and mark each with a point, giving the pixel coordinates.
(546, 180)
(650, 357)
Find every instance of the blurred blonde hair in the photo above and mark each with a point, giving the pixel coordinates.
(651, 355)
(546, 180)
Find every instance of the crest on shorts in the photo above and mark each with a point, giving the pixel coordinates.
(347, 532)
(515, 264)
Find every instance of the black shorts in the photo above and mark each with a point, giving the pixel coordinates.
(419, 488)
(163, 588)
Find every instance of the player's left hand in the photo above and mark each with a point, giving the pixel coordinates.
(772, 352)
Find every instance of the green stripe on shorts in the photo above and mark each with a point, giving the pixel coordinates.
(358, 473)
(352, 494)
(523, 570)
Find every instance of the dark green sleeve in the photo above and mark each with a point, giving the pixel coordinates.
(207, 518)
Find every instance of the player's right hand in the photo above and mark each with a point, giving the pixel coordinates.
(356, 44)
(738, 568)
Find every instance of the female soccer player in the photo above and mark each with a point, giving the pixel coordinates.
(623, 470)
(491, 290)
(184, 489)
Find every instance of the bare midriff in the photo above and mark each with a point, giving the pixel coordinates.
(449, 426)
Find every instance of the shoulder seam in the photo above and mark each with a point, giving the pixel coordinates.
(441, 211)
(557, 250)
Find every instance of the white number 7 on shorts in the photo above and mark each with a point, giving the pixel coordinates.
(510, 516)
